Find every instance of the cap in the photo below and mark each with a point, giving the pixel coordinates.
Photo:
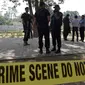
(26, 8)
(56, 6)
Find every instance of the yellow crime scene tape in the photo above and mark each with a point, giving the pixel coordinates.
(42, 73)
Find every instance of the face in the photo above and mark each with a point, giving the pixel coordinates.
(26, 10)
(57, 8)
(82, 17)
(68, 16)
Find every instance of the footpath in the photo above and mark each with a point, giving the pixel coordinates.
(12, 48)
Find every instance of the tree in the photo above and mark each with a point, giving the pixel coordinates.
(14, 12)
(4, 6)
(32, 3)
(36, 5)
(61, 1)
(10, 13)
(2, 20)
(71, 13)
(29, 2)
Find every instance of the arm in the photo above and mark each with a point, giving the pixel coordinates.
(48, 15)
(22, 17)
(61, 19)
(48, 18)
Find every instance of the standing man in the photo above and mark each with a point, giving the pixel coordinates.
(66, 27)
(26, 21)
(56, 22)
(82, 27)
(75, 26)
(42, 17)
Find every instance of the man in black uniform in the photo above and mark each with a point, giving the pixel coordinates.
(26, 21)
(56, 22)
(42, 19)
(66, 27)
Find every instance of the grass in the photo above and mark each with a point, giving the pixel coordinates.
(14, 34)
(11, 34)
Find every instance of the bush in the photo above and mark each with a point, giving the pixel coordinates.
(2, 20)
(8, 22)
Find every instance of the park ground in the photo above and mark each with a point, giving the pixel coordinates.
(12, 49)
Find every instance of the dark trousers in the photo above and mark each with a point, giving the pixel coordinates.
(65, 34)
(26, 35)
(75, 29)
(56, 35)
(31, 35)
(27, 31)
(44, 33)
(82, 33)
(66, 31)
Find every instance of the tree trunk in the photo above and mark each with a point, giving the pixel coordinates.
(30, 7)
(36, 5)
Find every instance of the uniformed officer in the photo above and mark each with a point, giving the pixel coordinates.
(66, 27)
(42, 16)
(56, 22)
(82, 27)
(26, 21)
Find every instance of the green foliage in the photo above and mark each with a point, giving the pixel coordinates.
(11, 34)
(9, 22)
(35, 3)
(2, 20)
(71, 13)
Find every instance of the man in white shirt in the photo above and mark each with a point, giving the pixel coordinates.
(75, 26)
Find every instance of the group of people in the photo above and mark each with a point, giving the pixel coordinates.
(41, 19)
(77, 25)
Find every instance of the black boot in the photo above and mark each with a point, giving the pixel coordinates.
(66, 39)
(25, 43)
(41, 51)
(53, 49)
(47, 51)
(58, 51)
